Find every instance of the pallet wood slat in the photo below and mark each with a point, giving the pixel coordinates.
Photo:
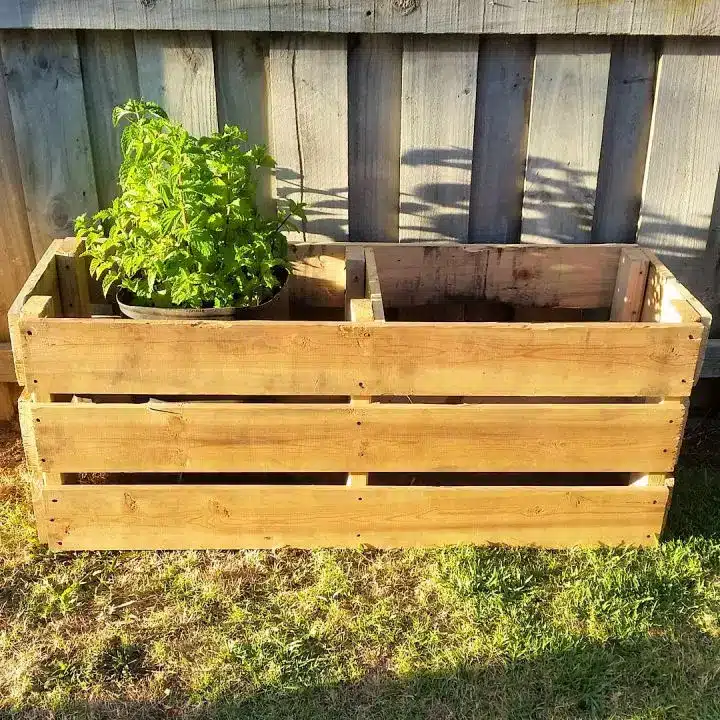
(221, 516)
(309, 129)
(45, 90)
(73, 276)
(648, 17)
(439, 80)
(242, 437)
(613, 359)
(632, 276)
(566, 125)
(177, 71)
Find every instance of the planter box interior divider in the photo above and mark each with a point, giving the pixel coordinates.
(416, 395)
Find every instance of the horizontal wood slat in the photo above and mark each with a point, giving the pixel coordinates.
(244, 437)
(137, 517)
(649, 17)
(324, 358)
(7, 367)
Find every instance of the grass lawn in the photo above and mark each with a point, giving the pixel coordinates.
(462, 632)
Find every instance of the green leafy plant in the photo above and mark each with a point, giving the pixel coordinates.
(185, 230)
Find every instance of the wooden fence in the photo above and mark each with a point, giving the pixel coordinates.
(395, 120)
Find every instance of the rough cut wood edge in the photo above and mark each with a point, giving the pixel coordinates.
(583, 359)
(373, 291)
(73, 278)
(139, 517)
(43, 280)
(621, 17)
(7, 367)
(381, 437)
(668, 300)
(630, 285)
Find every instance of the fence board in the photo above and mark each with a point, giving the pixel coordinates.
(309, 129)
(682, 169)
(110, 78)
(566, 121)
(625, 140)
(177, 71)
(374, 90)
(16, 250)
(505, 70)
(439, 79)
(648, 17)
(45, 90)
(242, 93)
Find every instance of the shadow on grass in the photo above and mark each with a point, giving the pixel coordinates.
(648, 678)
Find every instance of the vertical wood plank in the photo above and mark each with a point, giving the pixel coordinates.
(682, 168)
(16, 250)
(374, 92)
(309, 129)
(439, 78)
(109, 71)
(45, 90)
(176, 70)
(354, 276)
(625, 140)
(505, 70)
(242, 93)
(627, 304)
(566, 122)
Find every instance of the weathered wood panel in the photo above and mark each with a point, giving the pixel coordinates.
(242, 93)
(625, 140)
(566, 121)
(439, 79)
(374, 92)
(255, 437)
(649, 17)
(177, 71)
(682, 170)
(16, 251)
(110, 78)
(45, 90)
(309, 129)
(505, 71)
(316, 358)
(134, 517)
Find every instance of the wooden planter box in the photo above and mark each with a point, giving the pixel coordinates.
(417, 395)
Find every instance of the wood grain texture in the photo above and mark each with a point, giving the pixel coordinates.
(373, 286)
(566, 125)
(73, 275)
(326, 358)
(43, 280)
(625, 140)
(627, 305)
(242, 93)
(504, 83)
(682, 168)
(649, 17)
(7, 367)
(45, 90)
(109, 69)
(253, 437)
(136, 517)
(177, 71)
(16, 251)
(374, 96)
(439, 79)
(309, 129)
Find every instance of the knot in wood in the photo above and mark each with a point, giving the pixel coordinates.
(405, 7)
(148, 4)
